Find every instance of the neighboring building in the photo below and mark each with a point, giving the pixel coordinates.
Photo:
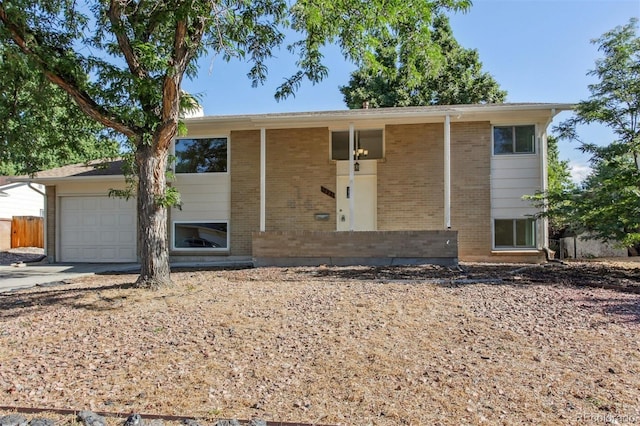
(423, 184)
(17, 199)
(583, 247)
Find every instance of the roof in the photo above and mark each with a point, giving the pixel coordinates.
(96, 168)
(8, 182)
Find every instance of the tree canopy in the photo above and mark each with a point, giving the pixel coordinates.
(448, 74)
(42, 126)
(123, 62)
(608, 203)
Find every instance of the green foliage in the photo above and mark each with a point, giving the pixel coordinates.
(559, 171)
(170, 198)
(556, 202)
(129, 169)
(42, 126)
(444, 74)
(608, 204)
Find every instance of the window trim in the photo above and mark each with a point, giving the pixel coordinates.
(514, 142)
(198, 249)
(514, 247)
(216, 136)
(341, 129)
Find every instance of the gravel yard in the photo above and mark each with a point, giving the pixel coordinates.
(22, 254)
(485, 344)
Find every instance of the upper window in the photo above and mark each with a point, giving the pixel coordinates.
(367, 145)
(201, 155)
(514, 233)
(514, 139)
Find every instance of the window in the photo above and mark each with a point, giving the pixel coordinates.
(200, 235)
(367, 143)
(514, 233)
(201, 155)
(514, 139)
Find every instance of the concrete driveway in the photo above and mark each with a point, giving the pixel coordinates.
(12, 278)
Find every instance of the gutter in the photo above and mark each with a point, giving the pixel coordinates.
(35, 189)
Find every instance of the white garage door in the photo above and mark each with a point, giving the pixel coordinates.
(97, 229)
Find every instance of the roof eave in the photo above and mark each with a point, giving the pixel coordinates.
(58, 179)
(391, 115)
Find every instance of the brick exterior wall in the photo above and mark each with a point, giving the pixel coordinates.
(245, 190)
(297, 166)
(471, 187)
(410, 184)
(368, 247)
(50, 223)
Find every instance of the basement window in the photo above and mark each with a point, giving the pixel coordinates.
(200, 235)
(514, 233)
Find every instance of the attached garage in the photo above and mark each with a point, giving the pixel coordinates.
(97, 229)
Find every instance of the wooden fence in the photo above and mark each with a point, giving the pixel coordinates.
(27, 231)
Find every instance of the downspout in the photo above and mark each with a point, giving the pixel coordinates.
(544, 185)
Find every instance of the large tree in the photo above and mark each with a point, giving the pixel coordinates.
(41, 125)
(123, 62)
(608, 204)
(448, 74)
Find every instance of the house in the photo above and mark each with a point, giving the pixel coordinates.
(388, 185)
(17, 199)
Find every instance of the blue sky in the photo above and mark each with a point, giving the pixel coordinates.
(537, 50)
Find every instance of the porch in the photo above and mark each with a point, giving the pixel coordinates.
(380, 248)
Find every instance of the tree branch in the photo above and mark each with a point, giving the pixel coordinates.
(67, 82)
(115, 14)
(185, 38)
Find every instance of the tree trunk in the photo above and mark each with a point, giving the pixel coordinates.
(153, 243)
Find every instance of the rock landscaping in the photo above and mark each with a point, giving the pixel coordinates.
(423, 345)
(89, 418)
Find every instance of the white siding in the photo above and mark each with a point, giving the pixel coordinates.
(89, 187)
(22, 200)
(204, 197)
(512, 178)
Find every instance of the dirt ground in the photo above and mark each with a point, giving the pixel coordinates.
(480, 344)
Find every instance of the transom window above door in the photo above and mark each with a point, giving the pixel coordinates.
(368, 145)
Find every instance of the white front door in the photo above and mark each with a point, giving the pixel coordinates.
(364, 193)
